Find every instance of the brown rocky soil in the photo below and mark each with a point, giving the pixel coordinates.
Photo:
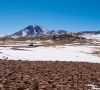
(96, 53)
(48, 75)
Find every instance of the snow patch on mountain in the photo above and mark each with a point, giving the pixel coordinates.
(24, 33)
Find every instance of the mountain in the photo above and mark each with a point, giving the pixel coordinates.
(91, 32)
(57, 32)
(36, 30)
(30, 31)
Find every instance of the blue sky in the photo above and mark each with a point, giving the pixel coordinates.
(70, 15)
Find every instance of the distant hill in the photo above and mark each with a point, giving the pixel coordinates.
(91, 32)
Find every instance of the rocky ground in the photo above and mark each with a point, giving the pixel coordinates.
(48, 75)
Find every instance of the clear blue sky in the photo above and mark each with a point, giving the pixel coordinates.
(70, 15)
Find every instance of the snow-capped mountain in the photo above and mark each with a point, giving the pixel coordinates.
(57, 32)
(91, 32)
(36, 30)
(30, 31)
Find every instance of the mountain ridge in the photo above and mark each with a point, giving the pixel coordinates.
(36, 30)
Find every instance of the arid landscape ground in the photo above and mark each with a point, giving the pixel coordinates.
(57, 64)
(49, 44)
(48, 75)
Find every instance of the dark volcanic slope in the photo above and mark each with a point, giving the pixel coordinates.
(25, 75)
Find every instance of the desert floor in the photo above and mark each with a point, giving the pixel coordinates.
(48, 75)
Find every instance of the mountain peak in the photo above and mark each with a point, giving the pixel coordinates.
(32, 26)
(31, 31)
(35, 30)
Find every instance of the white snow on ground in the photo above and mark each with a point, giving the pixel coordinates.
(59, 53)
(93, 87)
(92, 36)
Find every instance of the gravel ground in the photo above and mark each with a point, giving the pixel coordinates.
(48, 75)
